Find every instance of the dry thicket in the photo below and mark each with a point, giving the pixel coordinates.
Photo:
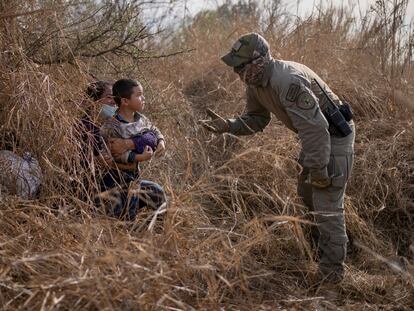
(233, 235)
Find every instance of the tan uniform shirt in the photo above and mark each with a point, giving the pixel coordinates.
(289, 92)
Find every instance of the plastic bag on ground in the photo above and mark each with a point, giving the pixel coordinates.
(19, 176)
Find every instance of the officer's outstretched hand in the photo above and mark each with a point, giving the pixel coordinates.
(319, 178)
(217, 124)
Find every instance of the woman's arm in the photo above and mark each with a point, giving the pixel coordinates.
(106, 160)
(119, 146)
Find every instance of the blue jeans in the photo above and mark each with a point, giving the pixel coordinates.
(125, 201)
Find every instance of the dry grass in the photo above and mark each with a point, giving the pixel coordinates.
(232, 238)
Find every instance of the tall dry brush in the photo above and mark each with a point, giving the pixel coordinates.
(233, 235)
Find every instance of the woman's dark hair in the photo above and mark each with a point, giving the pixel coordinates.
(96, 89)
(123, 89)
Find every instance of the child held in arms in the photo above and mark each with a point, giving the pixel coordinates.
(129, 123)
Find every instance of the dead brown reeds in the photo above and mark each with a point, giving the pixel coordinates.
(233, 236)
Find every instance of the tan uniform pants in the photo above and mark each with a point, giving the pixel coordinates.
(328, 204)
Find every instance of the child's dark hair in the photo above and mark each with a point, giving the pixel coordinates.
(123, 89)
(95, 89)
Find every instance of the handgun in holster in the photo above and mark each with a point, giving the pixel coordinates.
(337, 118)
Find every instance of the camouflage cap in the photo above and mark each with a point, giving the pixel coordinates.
(245, 49)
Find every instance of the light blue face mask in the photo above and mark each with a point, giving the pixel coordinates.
(106, 112)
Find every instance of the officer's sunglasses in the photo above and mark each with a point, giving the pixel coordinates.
(241, 66)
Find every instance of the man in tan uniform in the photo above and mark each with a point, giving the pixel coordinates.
(289, 90)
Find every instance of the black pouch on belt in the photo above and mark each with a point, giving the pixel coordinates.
(335, 117)
(346, 111)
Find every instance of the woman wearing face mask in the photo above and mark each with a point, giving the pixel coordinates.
(113, 179)
(99, 107)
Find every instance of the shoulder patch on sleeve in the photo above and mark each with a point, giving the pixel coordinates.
(292, 92)
(305, 101)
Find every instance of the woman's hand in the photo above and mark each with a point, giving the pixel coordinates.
(105, 159)
(160, 148)
(118, 146)
(146, 155)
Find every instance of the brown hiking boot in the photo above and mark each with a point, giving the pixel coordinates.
(327, 287)
(332, 274)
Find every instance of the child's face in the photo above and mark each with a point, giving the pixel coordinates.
(137, 100)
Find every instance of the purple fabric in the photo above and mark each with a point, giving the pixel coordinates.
(147, 139)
